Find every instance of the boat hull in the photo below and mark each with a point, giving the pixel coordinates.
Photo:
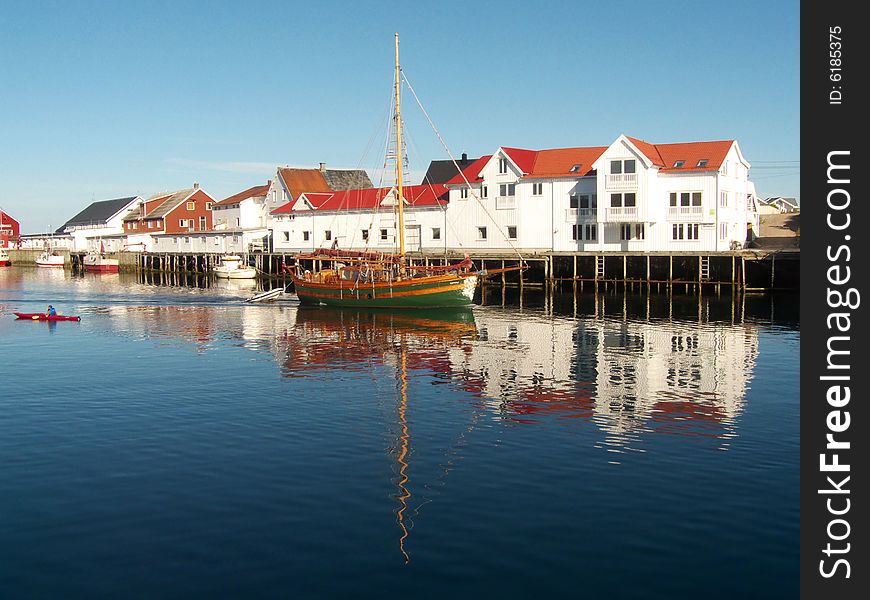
(44, 317)
(5, 263)
(235, 273)
(51, 264)
(428, 292)
(101, 268)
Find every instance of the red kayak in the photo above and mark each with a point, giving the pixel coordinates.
(44, 317)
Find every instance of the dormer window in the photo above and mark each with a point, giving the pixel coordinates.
(679, 163)
(702, 163)
(576, 168)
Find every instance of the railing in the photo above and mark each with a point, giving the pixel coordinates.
(621, 181)
(621, 213)
(573, 214)
(503, 202)
(685, 212)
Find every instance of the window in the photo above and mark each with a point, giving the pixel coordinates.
(696, 198)
(481, 233)
(702, 163)
(572, 203)
(576, 230)
(679, 163)
(512, 232)
(723, 199)
(592, 231)
(208, 205)
(640, 231)
(619, 200)
(383, 234)
(687, 231)
(576, 168)
(463, 193)
(217, 241)
(191, 206)
(150, 224)
(187, 240)
(622, 166)
(176, 240)
(587, 201)
(365, 234)
(286, 236)
(483, 191)
(182, 222)
(306, 235)
(238, 222)
(502, 165)
(327, 235)
(723, 231)
(507, 189)
(202, 240)
(537, 189)
(436, 233)
(625, 232)
(202, 223)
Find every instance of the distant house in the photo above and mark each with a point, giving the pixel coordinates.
(290, 182)
(10, 230)
(777, 205)
(166, 216)
(244, 215)
(100, 224)
(442, 171)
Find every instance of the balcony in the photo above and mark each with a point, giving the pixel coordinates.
(505, 202)
(685, 213)
(622, 214)
(572, 215)
(621, 181)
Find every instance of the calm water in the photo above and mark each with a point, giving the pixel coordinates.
(178, 442)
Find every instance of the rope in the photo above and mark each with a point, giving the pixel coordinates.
(455, 164)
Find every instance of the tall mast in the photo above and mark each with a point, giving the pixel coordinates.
(399, 154)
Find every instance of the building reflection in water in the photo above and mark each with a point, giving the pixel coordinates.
(630, 366)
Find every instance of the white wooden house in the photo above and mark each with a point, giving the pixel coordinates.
(363, 219)
(629, 196)
(100, 225)
(243, 220)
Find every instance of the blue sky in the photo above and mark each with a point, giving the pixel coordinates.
(100, 100)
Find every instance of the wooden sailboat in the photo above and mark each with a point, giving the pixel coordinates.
(374, 280)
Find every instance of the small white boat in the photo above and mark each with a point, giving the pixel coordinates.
(4, 258)
(50, 259)
(231, 267)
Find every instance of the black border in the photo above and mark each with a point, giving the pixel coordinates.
(827, 127)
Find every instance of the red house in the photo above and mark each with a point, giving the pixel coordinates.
(182, 211)
(10, 229)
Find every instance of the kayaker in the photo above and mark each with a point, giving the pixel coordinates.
(50, 312)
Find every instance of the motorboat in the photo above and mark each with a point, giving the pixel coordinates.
(50, 259)
(231, 267)
(4, 258)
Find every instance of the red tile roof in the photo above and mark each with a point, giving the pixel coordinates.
(369, 198)
(472, 171)
(559, 162)
(666, 155)
(252, 192)
(524, 159)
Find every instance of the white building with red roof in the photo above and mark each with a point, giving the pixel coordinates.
(629, 196)
(362, 219)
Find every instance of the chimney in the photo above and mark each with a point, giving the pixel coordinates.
(464, 157)
(195, 185)
(322, 167)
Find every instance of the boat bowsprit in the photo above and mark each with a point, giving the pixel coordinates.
(44, 317)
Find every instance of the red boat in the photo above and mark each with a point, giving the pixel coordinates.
(45, 317)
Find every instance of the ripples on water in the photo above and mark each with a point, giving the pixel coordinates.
(179, 442)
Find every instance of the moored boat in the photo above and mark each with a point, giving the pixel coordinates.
(44, 317)
(50, 259)
(372, 280)
(231, 267)
(4, 258)
(97, 262)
